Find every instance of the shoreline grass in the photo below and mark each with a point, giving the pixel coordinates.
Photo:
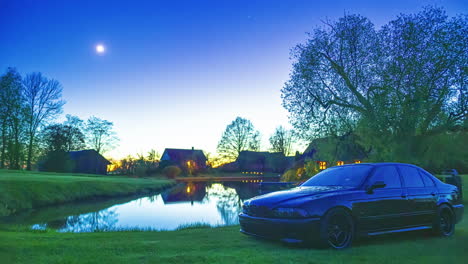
(22, 190)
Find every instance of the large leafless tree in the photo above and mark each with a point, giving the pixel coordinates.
(281, 141)
(100, 134)
(240, 135)
(43, 100)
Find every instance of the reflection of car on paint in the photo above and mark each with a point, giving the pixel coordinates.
(343, 202)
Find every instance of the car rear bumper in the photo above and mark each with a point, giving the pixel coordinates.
(287, 230)
(458, 210)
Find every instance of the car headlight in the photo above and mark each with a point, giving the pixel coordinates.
(290, 213)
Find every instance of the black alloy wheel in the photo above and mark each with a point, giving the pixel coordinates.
(337, 229)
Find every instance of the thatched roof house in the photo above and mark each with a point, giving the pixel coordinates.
(340, 150)
(263, 161)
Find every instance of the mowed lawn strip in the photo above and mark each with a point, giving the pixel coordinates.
(223, 245)
(20, 190)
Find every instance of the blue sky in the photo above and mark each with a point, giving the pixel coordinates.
(174, 73)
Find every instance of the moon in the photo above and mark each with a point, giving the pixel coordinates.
(100, 49)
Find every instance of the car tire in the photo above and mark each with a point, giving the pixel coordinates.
(444, 223)
(336, 229)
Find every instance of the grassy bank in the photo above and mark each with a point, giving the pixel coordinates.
(20, 190)
(222, 245)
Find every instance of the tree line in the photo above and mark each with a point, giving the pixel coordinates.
(241, 135)
(29, 108)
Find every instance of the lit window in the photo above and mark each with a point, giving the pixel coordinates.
(357, 161)
(322, 165)
(339, 163)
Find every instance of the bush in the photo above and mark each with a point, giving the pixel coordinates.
(311, 169)
(172, 171)
(140, 171)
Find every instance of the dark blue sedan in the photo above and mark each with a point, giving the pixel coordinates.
(343, 202)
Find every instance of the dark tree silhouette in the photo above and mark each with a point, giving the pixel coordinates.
(281, 141)
(240, 135)
(12, 117)
(63, 137)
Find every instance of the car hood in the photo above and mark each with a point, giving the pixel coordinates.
(275, 198)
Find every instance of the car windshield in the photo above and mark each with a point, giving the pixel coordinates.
(340, 176)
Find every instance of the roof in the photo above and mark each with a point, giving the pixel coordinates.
(182, 155)
(344, 148)
(253, 155)
(75, 155)
(266, 161)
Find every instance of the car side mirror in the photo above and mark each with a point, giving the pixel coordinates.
(376, 185)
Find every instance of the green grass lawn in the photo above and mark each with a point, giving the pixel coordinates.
(222, 245)
(20, 190)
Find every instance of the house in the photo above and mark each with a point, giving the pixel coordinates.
(253, 161)
(88, 161)
(185, 158)
(332, 151)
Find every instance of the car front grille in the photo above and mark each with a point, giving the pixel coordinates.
(256, 210)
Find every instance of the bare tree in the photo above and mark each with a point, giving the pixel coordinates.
(240, 135)
(281, 141)
(100, 135)
(43, 102)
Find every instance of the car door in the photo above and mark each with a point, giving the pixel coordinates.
(422, 196)
(383, 208)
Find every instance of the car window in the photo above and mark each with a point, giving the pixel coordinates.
(426, 179)
(387, 174)
(340, 176)
(411, 177)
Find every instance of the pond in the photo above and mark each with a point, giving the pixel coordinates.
(214, 204)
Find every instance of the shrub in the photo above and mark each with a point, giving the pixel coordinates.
(172, 171)
(289, 176)
(140, 171)
(311, 169)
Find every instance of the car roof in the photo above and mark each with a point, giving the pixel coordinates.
(378, 164)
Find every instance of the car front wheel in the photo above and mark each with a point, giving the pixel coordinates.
(337, 229)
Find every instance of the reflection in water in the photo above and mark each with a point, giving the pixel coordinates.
(214, 204)
(104, 220)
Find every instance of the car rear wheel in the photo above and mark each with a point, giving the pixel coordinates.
(337, 229)
(444, 224)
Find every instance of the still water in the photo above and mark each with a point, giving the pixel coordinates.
(213, 204)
